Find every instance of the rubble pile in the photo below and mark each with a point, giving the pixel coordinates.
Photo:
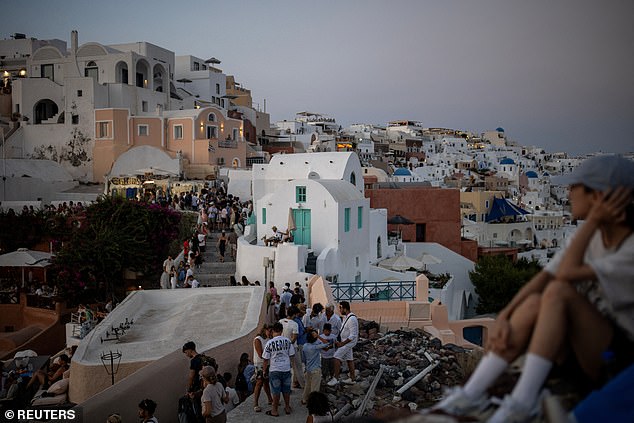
(402, 354)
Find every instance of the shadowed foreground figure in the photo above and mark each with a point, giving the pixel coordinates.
(581, 304)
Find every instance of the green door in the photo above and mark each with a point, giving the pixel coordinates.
(301, 235)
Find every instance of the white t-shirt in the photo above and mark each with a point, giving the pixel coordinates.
(328, 353)
(335, 323)
(195, 283)
(213, 394)
(613, 292)
(350, 329)
(279, 351)
(234, 399)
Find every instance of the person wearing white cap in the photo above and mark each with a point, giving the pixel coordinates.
(582, 302)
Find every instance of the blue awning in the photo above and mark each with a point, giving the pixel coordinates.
(503, 208)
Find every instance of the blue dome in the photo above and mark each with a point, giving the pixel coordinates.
(507, 161)
(499, 129)
(401, 171)
(546, 174)
(531, 174)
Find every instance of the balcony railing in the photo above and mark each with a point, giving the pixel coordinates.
(374, 291)
(228, 144)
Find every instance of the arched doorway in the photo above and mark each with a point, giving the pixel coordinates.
(44, 109)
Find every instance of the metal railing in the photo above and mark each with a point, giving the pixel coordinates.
(374, 291)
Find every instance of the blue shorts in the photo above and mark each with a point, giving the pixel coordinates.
(280, 382)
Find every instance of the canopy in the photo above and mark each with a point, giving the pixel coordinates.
(427, 258)
(25, 258)
(401, 263)
(503, 208)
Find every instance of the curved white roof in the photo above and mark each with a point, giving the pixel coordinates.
(341, 191)
(330, 165)
(140, 159)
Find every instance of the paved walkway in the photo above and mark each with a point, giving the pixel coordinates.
(244, 412)
(212, 272)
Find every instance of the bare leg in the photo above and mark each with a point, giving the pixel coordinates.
(565, 316)
(351, 369)
(287, 402)
(522, 322)
(276, 403)
(256, 392)
(337, 368)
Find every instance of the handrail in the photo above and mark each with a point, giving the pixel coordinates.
(374, 291)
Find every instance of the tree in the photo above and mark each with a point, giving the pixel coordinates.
(115, 235)
(497, 279)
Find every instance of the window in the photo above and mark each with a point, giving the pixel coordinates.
(353, 179)
(204, 67)
(143, 130)
(91, 70)
(379, 252)
(211, 117)
(234, 134)
(75, 119)
(196, 66)
(263, 216)
(46, 71)
(178, 132)
(103, 130)
(300, 194)
(212, 132)
(346, 219)
(359, 217)
(486, 204)
(217, 88)
(144, 106)
(79, 93)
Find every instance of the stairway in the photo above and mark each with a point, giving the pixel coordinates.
(212, 272)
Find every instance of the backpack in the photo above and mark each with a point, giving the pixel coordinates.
(208, 361)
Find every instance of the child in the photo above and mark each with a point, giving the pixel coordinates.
(328, 354)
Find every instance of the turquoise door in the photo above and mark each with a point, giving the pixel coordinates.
(301, 235)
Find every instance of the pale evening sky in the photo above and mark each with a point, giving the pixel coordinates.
(557, 74)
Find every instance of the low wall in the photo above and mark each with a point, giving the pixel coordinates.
(163, 380)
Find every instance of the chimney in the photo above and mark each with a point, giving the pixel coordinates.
(73, 41)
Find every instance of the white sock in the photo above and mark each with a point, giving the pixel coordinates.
(534, 374)
(488, 370)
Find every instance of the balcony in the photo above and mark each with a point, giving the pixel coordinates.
(228, 144)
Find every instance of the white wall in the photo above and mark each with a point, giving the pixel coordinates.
(240, 184)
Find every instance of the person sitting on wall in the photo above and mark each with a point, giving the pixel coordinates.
(276, 238)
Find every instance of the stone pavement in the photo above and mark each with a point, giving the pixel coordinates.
(244, 413)
(212, 272)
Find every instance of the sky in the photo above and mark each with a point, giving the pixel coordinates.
(554, 74)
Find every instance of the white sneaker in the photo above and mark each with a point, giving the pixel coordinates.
(511, 411)
(457, 403)
(348, 381)
(333, 382)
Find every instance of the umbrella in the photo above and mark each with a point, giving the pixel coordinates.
(427, 258)
(184, 80)
(401, 263)
(24, 257)
(399, 220)
(291, 221)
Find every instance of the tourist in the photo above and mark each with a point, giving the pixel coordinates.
(581, 303)
(245, 371)
(345, 343)
(222, 246)
(311, 356)
(195, 365)
(45, 379)
(114, 418)
(318, 408)
(291, 331)
(333, 319)
(233, 399)
(286, 296)
(233, 243)
(277, 363)
(165, 276)
(261, 380)
(147, 407)
(173, 278)
(315, 319)
(213, 398)
(328, 354)
(301, 290)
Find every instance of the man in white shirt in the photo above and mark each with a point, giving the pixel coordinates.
(333, 319)
(291, 331)
(277, 364)
(347, 340)
(314, 318)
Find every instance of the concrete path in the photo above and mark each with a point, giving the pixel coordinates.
(244, 412)
(212, 272)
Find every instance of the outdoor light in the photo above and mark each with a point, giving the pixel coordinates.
(22, 72)
(6, 74)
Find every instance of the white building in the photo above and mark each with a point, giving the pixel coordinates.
(321, 194)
